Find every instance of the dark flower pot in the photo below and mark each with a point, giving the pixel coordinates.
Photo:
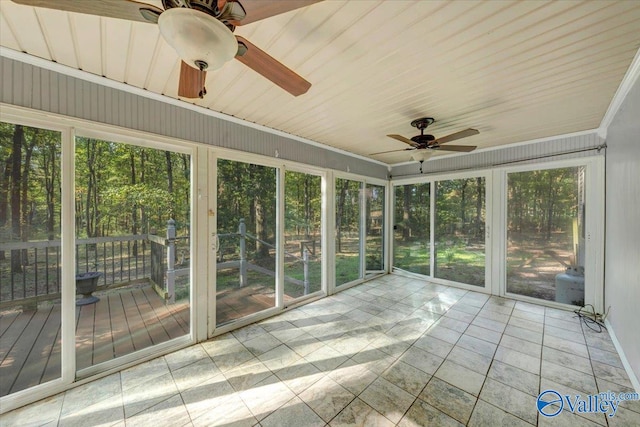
(86, 284)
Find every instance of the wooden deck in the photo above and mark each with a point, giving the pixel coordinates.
(123, 321)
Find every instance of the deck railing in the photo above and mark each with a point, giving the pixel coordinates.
(121, 259)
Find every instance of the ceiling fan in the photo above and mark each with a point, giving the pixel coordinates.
(201, 32)
(429, 142)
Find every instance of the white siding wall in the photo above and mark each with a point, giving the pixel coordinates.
(28, 86)
(622, 247)
(517, 153)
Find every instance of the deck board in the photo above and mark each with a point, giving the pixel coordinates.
(6, 321)
(23, 346)
(122, 342)
(123, 321)
(166, 318)
(103, 341)
(34, 367)
(13, 332)
(84, 335)
(139, 333)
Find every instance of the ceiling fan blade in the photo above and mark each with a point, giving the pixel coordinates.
(122, 9)
(260, 62)
(403, 139)
(391, 151)
(191, 81)
(261, 9)
(464, 148)
(458, 135)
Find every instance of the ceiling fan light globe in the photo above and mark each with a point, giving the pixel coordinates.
(196, 36)
(421, 155)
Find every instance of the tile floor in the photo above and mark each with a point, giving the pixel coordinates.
(393, 351)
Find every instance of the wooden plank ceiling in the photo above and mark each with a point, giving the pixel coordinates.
(514, 70)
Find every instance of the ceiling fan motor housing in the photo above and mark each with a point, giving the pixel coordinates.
(423, 139)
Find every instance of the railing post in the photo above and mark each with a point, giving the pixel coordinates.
(305, 263)
(242, 230)
(171, 261)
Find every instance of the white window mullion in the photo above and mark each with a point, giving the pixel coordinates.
(68, 258)
(280, 225)
(363, 230)
(432, 228)
(329, 233)
(202, 244)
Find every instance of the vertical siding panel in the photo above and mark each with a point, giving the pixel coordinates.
(6, 83)
(37, 87)
(92, 90)
(18, 81)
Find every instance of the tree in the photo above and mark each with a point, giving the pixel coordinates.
(18, 138)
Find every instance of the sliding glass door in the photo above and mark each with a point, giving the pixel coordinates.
(374, 228)
(359, 230)
(246, 234)
(439, 229)
(412, 228)
(132, 248)
(30, 257)
(460, 230)
(546, 243)
(302, 235)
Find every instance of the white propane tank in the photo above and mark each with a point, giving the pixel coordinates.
(570, 286)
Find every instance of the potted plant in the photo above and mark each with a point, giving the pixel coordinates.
(86, 284)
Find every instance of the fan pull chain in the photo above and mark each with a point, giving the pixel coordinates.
(202, 66)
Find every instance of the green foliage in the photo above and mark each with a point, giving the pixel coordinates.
(38, 210)
(125, 189)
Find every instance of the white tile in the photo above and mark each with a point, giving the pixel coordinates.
(485, 414)
(423, 414)
(461, 377)
(43, 412)
(484, 334)
(519, 360)
(517, 403)
(388, 399)
(171, 411)
(451, 400)
(266, 397)
(294, 412)
(477, 345)
(515, 377)
(353, 376)
(327, 398)
(186, 356)
(470, 359)
(359, 413)
(407, 377)
(422, 360)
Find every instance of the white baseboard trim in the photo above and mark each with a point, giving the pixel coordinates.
(627, 366)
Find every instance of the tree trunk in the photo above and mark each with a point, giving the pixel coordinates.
(26, 217)
(550, 207)
(16, 158)
(406, 213)
(339, 211)
(479, 208)
(167, 156)
(134, 209)
(4, 194)
(50, 171)
(463, 204)
(307, 206)
(91, 206)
